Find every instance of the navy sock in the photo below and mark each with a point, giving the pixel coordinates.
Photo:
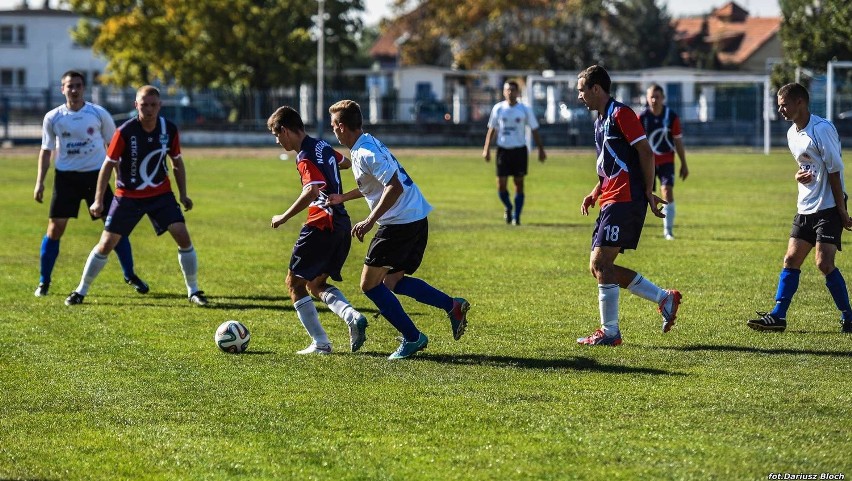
(390, 307)
(788, 283)
(504, 196)
(49, 253)
(837, 287)
(423, 293)
(519, 205)
(125, 256)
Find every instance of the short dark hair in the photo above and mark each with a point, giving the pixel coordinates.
(350, 113)
(512, 83)
(73, 74)
(286, 117)
(794, 91)
(657, 88)
(596, 75)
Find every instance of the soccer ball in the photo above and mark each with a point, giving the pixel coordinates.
(232, 337)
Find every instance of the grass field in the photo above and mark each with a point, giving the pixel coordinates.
(132, 387)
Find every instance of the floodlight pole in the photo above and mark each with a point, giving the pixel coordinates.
(320, 66)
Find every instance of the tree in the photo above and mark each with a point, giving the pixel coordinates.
(239, 44)
(816, 31)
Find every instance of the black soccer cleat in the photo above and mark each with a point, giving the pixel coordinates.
(768, 322)
(42, 289)
(137, 283)
(74, 298)
(846, 326)
(198, 299)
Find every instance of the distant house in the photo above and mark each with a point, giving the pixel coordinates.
(728, 38)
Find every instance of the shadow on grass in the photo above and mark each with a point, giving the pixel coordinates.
(570, 364)
(760, 350)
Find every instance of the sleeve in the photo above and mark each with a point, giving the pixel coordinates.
(107, 124)
(338, 157)
(531, 120)
(629, 125)
(677, 132)
(492, 119)
(828, 143)
(174, 146)
(382, 167)
(48, 140)
(309, 173)
(116, 147)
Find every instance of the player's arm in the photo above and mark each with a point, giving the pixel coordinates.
(179, 169)
(839, 199)
(97, 207)
(486, 151)
(41, 174)
(541, 154)
(334, 199)
(393, 190)
(309, 194)
(344, 163)
(646, 161)
(681, 153)
(590, 200)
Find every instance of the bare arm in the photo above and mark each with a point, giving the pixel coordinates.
(344, 164)
(389, 197)
(590, 200)
(646, 160)
(179, 169)
(837, 192)
(308, 195)
(41, 175)
(541, 154)
(681, 152)
(97, 208)
(334, 199)
(486, 151)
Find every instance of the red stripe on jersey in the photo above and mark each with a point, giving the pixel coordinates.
(317, 216)
(615, 189)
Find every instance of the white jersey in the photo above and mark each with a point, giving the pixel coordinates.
(816, 148)
(511, 122)
(374, 166)
(79, 137)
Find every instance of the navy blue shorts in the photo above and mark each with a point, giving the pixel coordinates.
(399, 247)
(666, 173)
(319, 251)
(821, 226)
(69, 188)
(620, 225)
(125, 212)
(512, 162)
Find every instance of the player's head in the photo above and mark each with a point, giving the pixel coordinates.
(655, 96)
(73, 85)
(510, 91)
(593, 86)
(793, 102)
(346, 121)
(287, 126)
(147, 102)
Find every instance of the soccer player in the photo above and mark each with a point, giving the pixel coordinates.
(399, 208)
(625, 168)
(324, 241)
(821, 213)
(78, 130)
(509, 120)
(137, 153)
(662, 126)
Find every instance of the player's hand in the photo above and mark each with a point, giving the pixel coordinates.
(278, 220)
(187, 203)
(845, 219)
(360, 229)
(541, 155)
(656, 204)
(96, 209)
(38, 193)
(486, 154)
(804, 176)
(334, 199)
(588, 202)
(684, 172)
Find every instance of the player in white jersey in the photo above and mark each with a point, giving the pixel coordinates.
(821, 209)
(509, 121)
(396, 251)
(78, 131)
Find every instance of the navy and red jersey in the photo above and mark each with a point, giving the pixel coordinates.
(618, 164)
(661, 131)
(141, 157)
(317, 163)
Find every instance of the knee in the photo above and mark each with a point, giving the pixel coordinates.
(825, 266)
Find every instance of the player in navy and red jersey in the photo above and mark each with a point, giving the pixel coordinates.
(324, 240)
(625, 168)
(662, 126)
(138, 154)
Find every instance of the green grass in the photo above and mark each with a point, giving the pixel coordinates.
(132, 387)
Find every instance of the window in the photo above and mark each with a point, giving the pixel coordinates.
(6, 34)
(6, 76)
(22, 34)
(22, 78)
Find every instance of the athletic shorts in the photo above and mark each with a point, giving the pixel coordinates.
(620, 225)
(666, 174)
(399, 247)
(512, 162)
(125, 212)
(321, 251)
(821, 226)
(69, 188)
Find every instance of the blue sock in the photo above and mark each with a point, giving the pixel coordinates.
(423, 293)
(390, 307)
(837, 287)
(49, 253)
(504, 196)
(788, 283)
(125, 256)
(519, 205)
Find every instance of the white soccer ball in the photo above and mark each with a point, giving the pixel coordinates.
(232, 337)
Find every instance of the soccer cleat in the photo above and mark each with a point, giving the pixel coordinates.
(358, 333)
(846, 326)
(458, 317)
(407, 349)
(315, 348)
(137, 283)
(198, 299)
(507, 216)
(768, 322)
(599, 338)
(668, 236)
(668, 309)
(516, 221)
(74, 298)
(42, 289)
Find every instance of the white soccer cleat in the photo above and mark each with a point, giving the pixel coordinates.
(315, 348)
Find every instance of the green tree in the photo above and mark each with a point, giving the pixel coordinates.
(816, 31)
(239, 44)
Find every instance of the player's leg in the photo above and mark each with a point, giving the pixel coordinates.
(666, 174)
(503, 167)
(64, 204)
(94, 265)
(519, 161)
(188, 260)
(49, 253)
(338, 304)
(306, 310)
(519, 198)
(788, 283)
(829, 233)
(602, 267)
(123, 250)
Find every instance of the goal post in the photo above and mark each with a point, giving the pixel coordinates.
(830, 87)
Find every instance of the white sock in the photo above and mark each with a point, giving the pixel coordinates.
(189, 265)
(94, 265)
(308, 315)
(646, 289)
(608, 303)
(668, 221)
(336, 301)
